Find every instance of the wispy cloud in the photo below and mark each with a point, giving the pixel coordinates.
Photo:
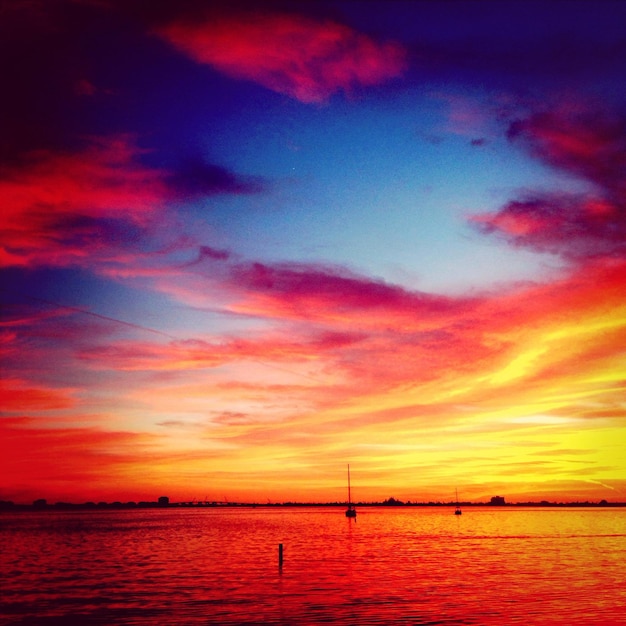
(22, 395)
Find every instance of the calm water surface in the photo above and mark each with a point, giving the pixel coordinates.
(391, 566)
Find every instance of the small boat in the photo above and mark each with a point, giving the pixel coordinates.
(457, 510)
(350, 511)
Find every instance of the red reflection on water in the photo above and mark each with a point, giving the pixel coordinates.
(393, 565)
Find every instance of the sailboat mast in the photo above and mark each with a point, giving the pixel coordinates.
(349, 495)
(351, 511)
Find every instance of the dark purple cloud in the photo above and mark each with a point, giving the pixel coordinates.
(588, 144)
(576, 227)
(198, 178)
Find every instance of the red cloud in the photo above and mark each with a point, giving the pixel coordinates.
(66, 209)
(294, 55)
(104, 179)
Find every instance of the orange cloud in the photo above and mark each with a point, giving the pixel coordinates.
(426, 382)
(529, 342)
(291, 54)
(198, 354)
(20, 395)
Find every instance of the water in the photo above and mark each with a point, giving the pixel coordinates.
(391, 566)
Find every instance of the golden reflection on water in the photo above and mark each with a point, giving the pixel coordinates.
(390, 565)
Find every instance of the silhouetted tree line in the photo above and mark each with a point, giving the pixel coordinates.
(164, 502)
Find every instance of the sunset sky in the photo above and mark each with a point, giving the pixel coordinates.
(242, 247)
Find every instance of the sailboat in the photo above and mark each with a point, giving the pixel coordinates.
(350, 511)
(457, 510)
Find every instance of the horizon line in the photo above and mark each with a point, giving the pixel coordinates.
(164, 502)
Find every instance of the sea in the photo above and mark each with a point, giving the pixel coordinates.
(390, 565)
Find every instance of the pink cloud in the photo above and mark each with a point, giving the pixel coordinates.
(333, 295)
(294, 55)
(416, 336)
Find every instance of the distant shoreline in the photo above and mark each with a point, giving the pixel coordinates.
(42, 505)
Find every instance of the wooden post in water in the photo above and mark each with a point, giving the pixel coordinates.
(280, 554)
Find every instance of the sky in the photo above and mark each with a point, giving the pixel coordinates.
(245, 244)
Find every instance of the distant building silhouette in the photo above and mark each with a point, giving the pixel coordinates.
(393, 502)
(164, 501)
(497, 500)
